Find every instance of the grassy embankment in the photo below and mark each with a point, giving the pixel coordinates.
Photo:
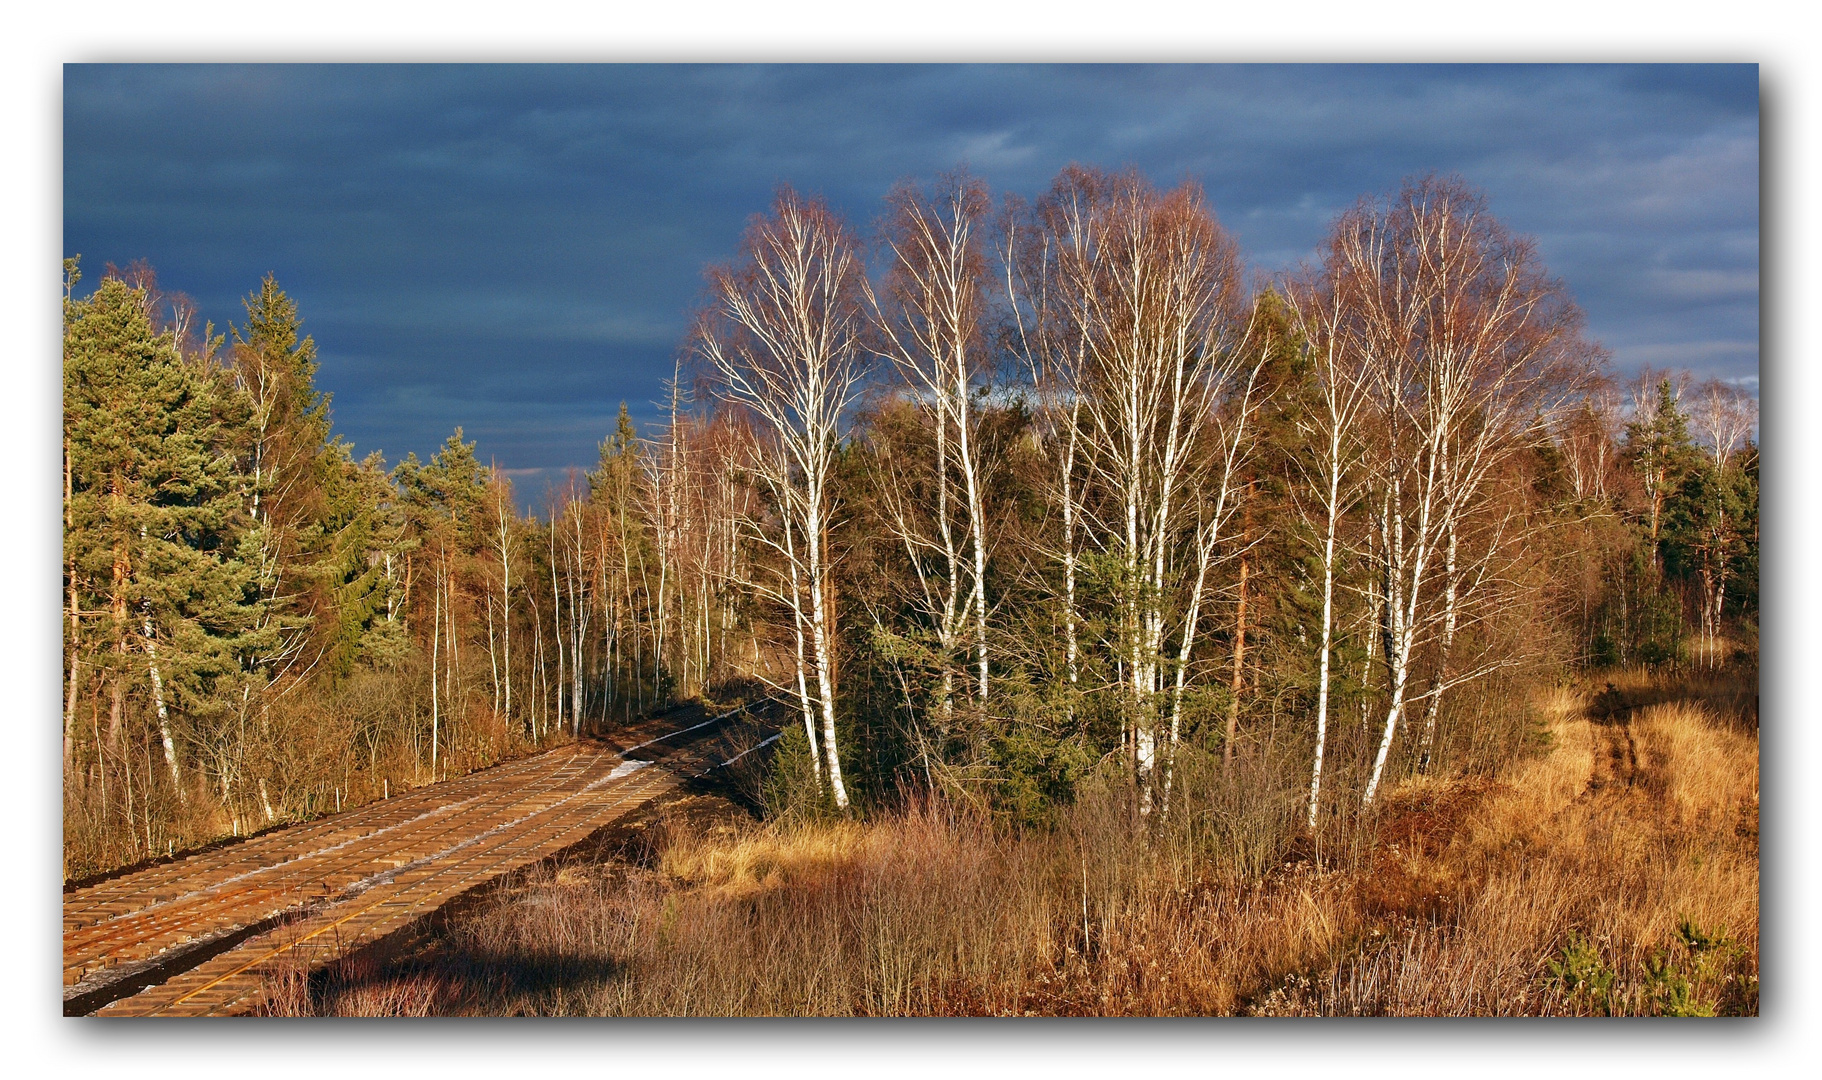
(1616, 872)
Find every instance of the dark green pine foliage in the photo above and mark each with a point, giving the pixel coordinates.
(1744, 599)
(286, 455)
(1639, 620)
(444, 498)
(362, 564)
(614, 478)
(1663, 456)
(439, 513)
(156, 505)
(287, 367)
(1711, 529)
(328, 535)
(1284, 552)
(613, 491)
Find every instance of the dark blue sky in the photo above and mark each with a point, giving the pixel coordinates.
(516, 249)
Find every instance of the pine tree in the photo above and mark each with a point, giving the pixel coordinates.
(288, 459)
(441, 504)
(1662, 454)
(154, 517)
(1705, 533)
(361, 565)
(626, 572)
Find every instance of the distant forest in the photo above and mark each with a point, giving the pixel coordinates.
(1002, 496)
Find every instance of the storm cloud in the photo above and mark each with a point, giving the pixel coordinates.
(517, 249)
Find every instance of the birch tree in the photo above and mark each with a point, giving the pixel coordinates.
(503, 540)
(1724, 419)
(1470, 352)
(782, 340)
(1052, 357)
(1588, 437)
(1332, 474)
(929, 318)
(1144, 289)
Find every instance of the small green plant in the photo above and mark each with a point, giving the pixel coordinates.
(1669, 991)
(793, 787)
(1699, 974)
(1583, 973)
(1718, 964)
(1698, 941)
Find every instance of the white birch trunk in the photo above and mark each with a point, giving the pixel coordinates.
(821, 638)
(1322, 677)
(164, 719)
(556, 614)
(505, 542)
(1433, 702)
(436, 637)
(797, 624)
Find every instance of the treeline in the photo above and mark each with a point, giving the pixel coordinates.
(261, 628)
(1009, 496)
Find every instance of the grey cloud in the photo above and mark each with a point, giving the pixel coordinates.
(518, 248)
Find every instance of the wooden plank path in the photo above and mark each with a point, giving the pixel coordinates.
(202, 934)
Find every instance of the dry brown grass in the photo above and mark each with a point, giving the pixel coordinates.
(318, 755)
(1627, 833)
(1627, 853)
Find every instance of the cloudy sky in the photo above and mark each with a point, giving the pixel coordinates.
(516, 249)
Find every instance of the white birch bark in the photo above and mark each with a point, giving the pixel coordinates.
(436, 637)
(782, 340)
(503, 543)
(556, 615)
(1147, 284)
(164, 718)
(929, 323)
(1332, 477)
(1473, 353)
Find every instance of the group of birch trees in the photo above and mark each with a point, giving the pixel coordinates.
(1038, 487)
(998, 496)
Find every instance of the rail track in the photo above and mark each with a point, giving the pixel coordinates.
(201, 935)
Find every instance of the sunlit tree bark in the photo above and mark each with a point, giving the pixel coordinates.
(1724, 419)
(1147, 285)
(1471, 352)
(930, 328)
(1331, 475)
(782, 340)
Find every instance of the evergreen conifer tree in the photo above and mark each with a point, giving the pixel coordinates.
(154, 516)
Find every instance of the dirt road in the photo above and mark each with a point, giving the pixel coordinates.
(199, 935)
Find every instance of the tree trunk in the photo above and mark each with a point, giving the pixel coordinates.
(1070, 646)
(164, 720)
(822, 640)
(556, 615)
(1328, 623)
(506, 598)
(1235, 684)
(493, 654)
(74, 644)
(1433, 704)
(436, 638)
(976, 523)
(797, 625)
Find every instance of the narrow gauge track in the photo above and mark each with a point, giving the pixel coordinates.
(199, 935)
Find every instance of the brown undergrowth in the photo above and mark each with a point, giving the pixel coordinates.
(1615, 874)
